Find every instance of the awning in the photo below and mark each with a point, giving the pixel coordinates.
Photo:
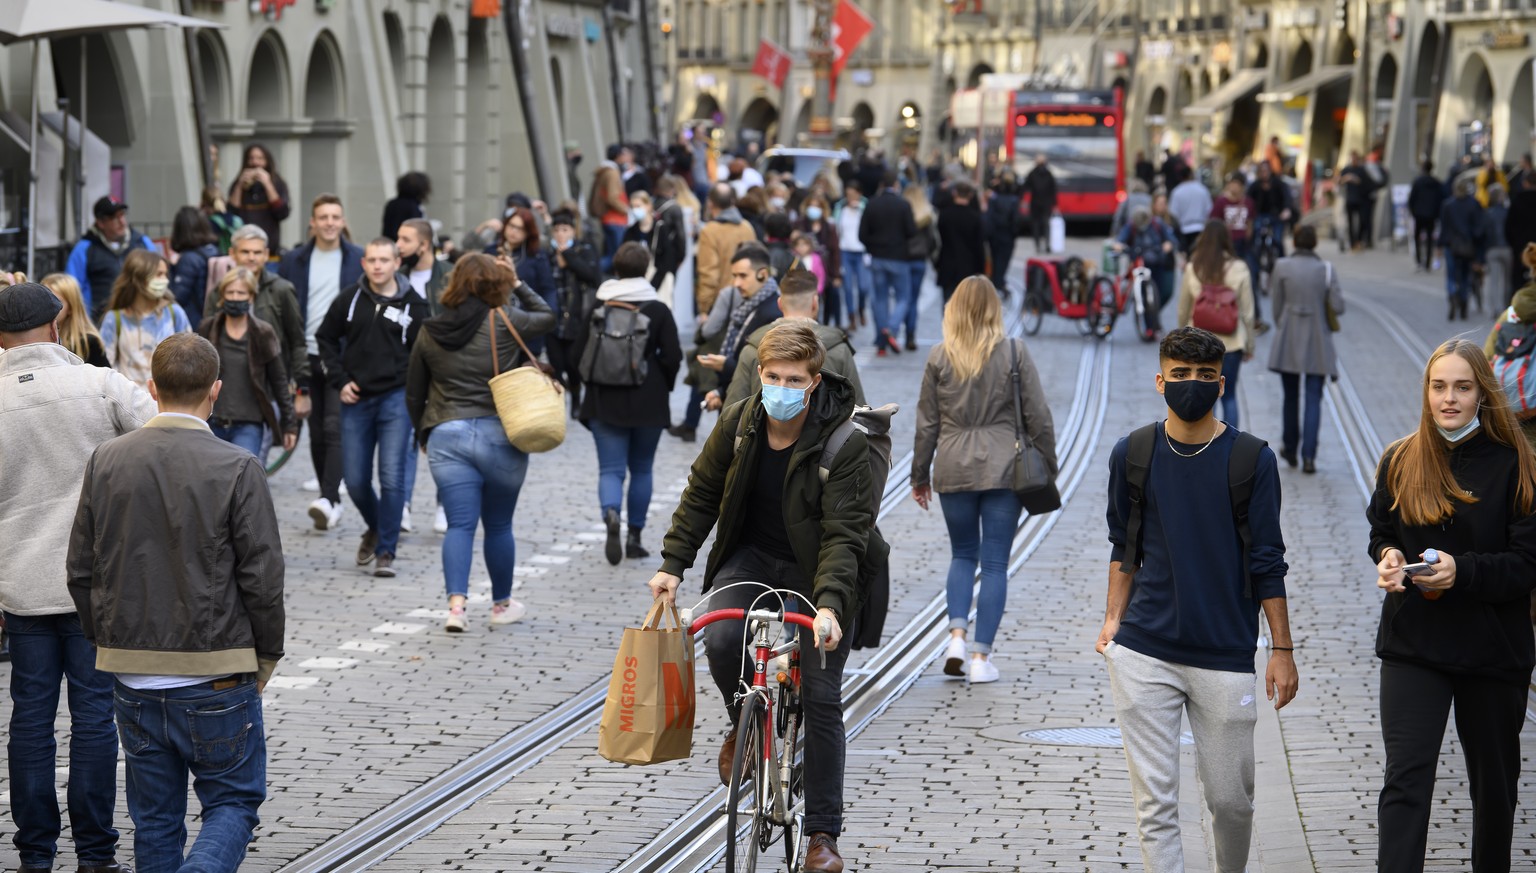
(1242, 83)
(1301, 86)
(54, 19)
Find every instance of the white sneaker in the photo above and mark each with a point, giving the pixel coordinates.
(324, 513)
(311, 485)
(440, 521)
(405, 519)
(506, 613)
(982, 671)
(455, 623)
(954, 657)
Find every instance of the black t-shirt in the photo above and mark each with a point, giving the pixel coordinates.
(765, 528)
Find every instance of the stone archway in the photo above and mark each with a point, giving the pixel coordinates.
(1301, 61)
(706, 107)
(213, 65)
(442, 100)
(1345, 53)
(268, 89)
(863, 118)
(974, 79)
(325, 105)
(394, 37)
(1473, 109)
(1383, 97)
(1258, 53)
(1522, 120)
(479, 135)
(757, 121)
(108, 88)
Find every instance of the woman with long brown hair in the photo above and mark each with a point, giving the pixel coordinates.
(1215, 269)
(259, 195)
(966, 432)
(1455, 506)
(140, 315)
(610, 205)
(76, 332)
(447, 391)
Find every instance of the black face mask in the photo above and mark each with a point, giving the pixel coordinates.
(237, 308)
(1191, 399)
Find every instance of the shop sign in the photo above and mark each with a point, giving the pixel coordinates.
(1116, 60)
(1157, 50)
(1506, 37)
(272, 10)
(563, 26)
(862, 77)
(1297, 17)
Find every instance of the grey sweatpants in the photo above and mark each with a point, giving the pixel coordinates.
(1151, 697)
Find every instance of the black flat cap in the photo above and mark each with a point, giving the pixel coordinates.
(25, 306)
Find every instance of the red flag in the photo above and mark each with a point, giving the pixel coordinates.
(849, 27)
(772, 63)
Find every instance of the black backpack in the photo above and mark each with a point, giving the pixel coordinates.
(1514, 338)
(614, 356)
(1241, 468)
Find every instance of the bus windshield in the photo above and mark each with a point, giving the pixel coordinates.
(1081, 160)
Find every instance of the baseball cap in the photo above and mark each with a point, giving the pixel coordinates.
(108, 206)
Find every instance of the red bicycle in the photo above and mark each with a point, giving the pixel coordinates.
(766, 798)
(1067, 287)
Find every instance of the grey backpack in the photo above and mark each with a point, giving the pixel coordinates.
(614, 356)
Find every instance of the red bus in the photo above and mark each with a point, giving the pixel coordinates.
(1079, 132)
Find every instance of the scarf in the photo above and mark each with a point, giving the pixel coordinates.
(636, 291)
(739, 316)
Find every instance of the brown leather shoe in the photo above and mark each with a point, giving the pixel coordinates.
(727, 757)
(822, 857)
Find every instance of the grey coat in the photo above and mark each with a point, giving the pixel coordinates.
(965, 430)
(1302, 286)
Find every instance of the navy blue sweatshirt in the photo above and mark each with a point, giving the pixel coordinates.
(1187, 602)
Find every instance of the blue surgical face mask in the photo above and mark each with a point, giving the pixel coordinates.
(782, 403)
(1455, 436)
(813, 213)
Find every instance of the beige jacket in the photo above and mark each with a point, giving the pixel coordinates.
(965, 430)
(1238, 279)
(54, 411)
(712, 257)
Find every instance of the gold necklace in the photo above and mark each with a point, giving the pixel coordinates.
(1169, 440)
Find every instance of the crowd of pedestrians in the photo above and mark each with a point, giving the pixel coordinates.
(755, 289)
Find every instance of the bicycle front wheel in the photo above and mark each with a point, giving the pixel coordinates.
(1102, 308)
(747, 825)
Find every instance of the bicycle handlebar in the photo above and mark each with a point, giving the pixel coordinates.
(708, 618)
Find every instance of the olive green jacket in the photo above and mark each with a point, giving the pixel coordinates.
(828, 526)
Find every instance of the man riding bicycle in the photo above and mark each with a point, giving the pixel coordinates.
(758, 483)
(1272, 198)
(1154, 243)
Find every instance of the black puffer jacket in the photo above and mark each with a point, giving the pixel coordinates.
(450, 368)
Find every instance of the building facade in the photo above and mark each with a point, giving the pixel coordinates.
(883, 99)
(347, 94)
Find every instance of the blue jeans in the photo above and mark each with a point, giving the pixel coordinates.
(1306, 429)
(856, 284)
(247, 435)
(1277, 229)
(379, 424)
(981, 527)
(1458, 278)
(412, 462)
(46, 649)
(216, 736)
(1231, 363)
(478, 475)
(613, 237)
(619, 448)
(892, 284)
(918, 271)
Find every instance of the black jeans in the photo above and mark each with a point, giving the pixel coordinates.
(1040, 225)
(325, 432)
(1424, 242)
(1415, 702)
(1002, 255)
(1359, 225)
(730, 665)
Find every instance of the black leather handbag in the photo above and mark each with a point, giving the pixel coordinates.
(1033, 483)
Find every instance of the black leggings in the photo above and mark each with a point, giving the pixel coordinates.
(1415, 702)
(1424, 242)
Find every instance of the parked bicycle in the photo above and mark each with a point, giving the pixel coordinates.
(766, 794)
(1067, 287)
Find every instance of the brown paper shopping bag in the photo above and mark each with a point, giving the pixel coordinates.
(648, 716)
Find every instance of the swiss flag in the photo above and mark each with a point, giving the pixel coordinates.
(849, 27)
(772, 62)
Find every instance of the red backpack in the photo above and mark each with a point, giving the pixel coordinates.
(1216, 309)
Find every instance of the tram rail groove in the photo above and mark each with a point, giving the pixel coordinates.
(695, 840)
(427, 807)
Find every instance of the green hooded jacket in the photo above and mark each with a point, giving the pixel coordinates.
(828, 526)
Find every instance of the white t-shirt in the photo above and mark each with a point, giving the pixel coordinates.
(419, 280)
(750, 178)
(324, 287)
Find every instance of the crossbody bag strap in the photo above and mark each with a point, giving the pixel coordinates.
(515, 335)
(490, 320)
(1015, 379)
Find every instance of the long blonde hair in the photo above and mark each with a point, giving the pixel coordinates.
(76, 327)
(922, 210)
(973, 326)
(1419, 474)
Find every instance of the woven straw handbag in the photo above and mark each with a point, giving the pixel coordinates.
(529, 401)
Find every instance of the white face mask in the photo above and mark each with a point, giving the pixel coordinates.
(638, 213)
(777, 202)
(160, 288)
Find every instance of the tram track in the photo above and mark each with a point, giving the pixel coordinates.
(427, 807)
(695, 840)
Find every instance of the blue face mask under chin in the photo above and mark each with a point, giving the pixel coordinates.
(781, 403)
(1455, 436)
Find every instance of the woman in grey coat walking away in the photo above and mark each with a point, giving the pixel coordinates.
(1305, 287)
(966, 431)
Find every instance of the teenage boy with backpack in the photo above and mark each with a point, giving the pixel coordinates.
(1194, 520)
(786, 517)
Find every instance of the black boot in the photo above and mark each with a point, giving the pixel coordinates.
(632, 547)
(611, 548)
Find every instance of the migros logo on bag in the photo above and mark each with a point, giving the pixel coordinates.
(678, 694)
